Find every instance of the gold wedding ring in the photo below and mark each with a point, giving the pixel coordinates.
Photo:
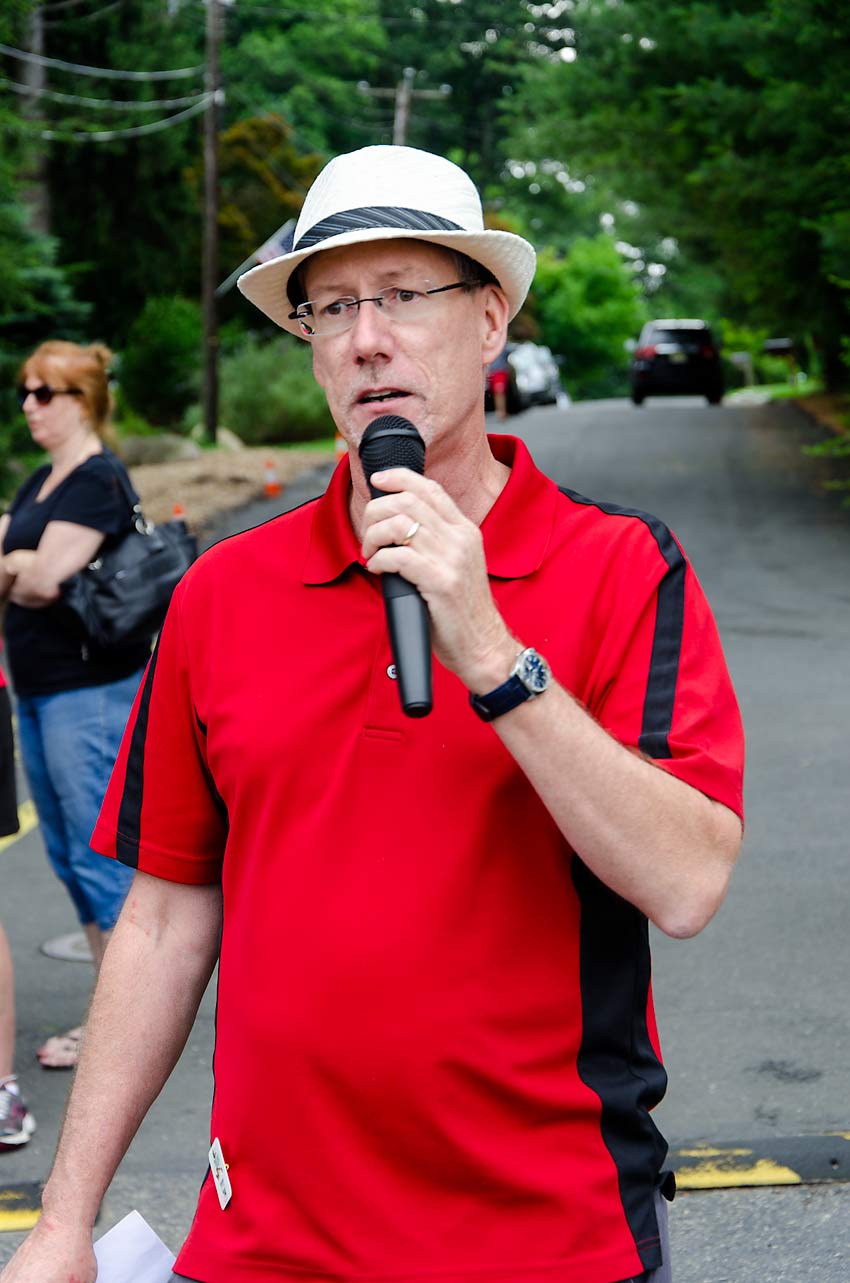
(411, 532)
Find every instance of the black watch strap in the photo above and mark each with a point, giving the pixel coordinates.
(501, 700)
(529, 677)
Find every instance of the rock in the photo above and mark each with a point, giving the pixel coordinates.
(163, 447)
(228, 441)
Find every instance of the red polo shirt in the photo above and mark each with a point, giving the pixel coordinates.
(435, 1048)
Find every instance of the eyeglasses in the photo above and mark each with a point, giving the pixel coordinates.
(399, 303)
(44, 394)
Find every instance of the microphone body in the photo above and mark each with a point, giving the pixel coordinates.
(393, 442)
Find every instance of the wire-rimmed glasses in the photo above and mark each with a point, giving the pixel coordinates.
(333, 314)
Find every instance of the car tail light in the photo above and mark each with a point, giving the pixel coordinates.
(647, 351)
(708, 352)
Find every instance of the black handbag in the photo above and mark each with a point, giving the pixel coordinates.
(121, 597)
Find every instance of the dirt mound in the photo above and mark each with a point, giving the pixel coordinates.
(216, 482)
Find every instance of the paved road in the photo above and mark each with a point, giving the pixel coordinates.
(754, 1012)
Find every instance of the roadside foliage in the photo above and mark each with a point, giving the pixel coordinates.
(685, 159)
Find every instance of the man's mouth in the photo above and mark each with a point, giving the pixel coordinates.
(385, 394)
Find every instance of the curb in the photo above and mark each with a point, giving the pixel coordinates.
(20, 1206)
(781, 1160)
(698, 1165)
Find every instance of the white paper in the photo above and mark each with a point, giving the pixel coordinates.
(221, 1180)
(132, 1253)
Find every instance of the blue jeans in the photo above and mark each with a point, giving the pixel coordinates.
(69, 742)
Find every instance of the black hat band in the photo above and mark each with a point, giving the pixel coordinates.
(371, 217)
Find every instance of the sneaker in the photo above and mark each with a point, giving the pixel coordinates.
(16, 1122)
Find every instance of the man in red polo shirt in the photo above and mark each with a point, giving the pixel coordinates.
(436, 1053)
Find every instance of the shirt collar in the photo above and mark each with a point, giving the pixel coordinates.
(516, 530)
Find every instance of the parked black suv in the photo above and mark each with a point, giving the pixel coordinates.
(676, 358)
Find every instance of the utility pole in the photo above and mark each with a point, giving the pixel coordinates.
(403, 94)
(209, 269)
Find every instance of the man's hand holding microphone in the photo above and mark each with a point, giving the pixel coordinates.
(413, 529)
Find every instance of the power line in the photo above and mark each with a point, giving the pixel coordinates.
(109, 135)
(456, 20)
(60, 4)
(122, 104)
(108, 73)
(85, 17)
(387, 19)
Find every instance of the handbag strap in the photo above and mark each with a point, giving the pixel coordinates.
(139, 520)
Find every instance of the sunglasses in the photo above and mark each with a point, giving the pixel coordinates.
(44, 394)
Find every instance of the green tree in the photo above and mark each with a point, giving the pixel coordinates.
(127, 210)
(159, 368)
(33, 293)
(587, 306)
(264, 177)
(303, 66)
(125, 219)
(36, 296)
(729, 124)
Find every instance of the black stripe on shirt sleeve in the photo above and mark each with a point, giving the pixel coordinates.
(130, 810)
(208, 776)
(663, 675)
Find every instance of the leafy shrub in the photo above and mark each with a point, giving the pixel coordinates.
(587, 305)
(160, 366)
(15, 440)
(268, 394)
(767, 368)
(128, 422)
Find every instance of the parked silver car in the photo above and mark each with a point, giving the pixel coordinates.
(537, 375)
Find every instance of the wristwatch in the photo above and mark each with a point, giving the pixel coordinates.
(529, 677)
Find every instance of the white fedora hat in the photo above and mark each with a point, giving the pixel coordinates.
(382, 193)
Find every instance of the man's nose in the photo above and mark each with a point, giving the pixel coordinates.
(371, 333)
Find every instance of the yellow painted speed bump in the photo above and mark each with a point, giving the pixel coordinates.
(783, 1160)
(20, 1206)
(710, 1168)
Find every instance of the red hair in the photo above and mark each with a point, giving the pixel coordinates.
(83, 368)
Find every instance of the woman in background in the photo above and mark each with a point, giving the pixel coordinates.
(16, 1122)
(73, 699)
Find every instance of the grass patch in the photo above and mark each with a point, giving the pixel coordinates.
(790, 391)
(780, 391)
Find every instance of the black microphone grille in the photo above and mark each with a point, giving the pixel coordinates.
(392, 442)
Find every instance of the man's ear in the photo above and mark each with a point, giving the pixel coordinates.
(494, 321)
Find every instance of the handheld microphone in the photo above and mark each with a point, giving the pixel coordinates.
(393, 442)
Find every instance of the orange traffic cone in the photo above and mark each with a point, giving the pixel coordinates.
(271, 485)
(178, 512)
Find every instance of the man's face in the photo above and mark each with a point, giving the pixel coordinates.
(429, 370)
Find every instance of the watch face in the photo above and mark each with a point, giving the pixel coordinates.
(535, 672)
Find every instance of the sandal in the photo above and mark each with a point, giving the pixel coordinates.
(61, 1051)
